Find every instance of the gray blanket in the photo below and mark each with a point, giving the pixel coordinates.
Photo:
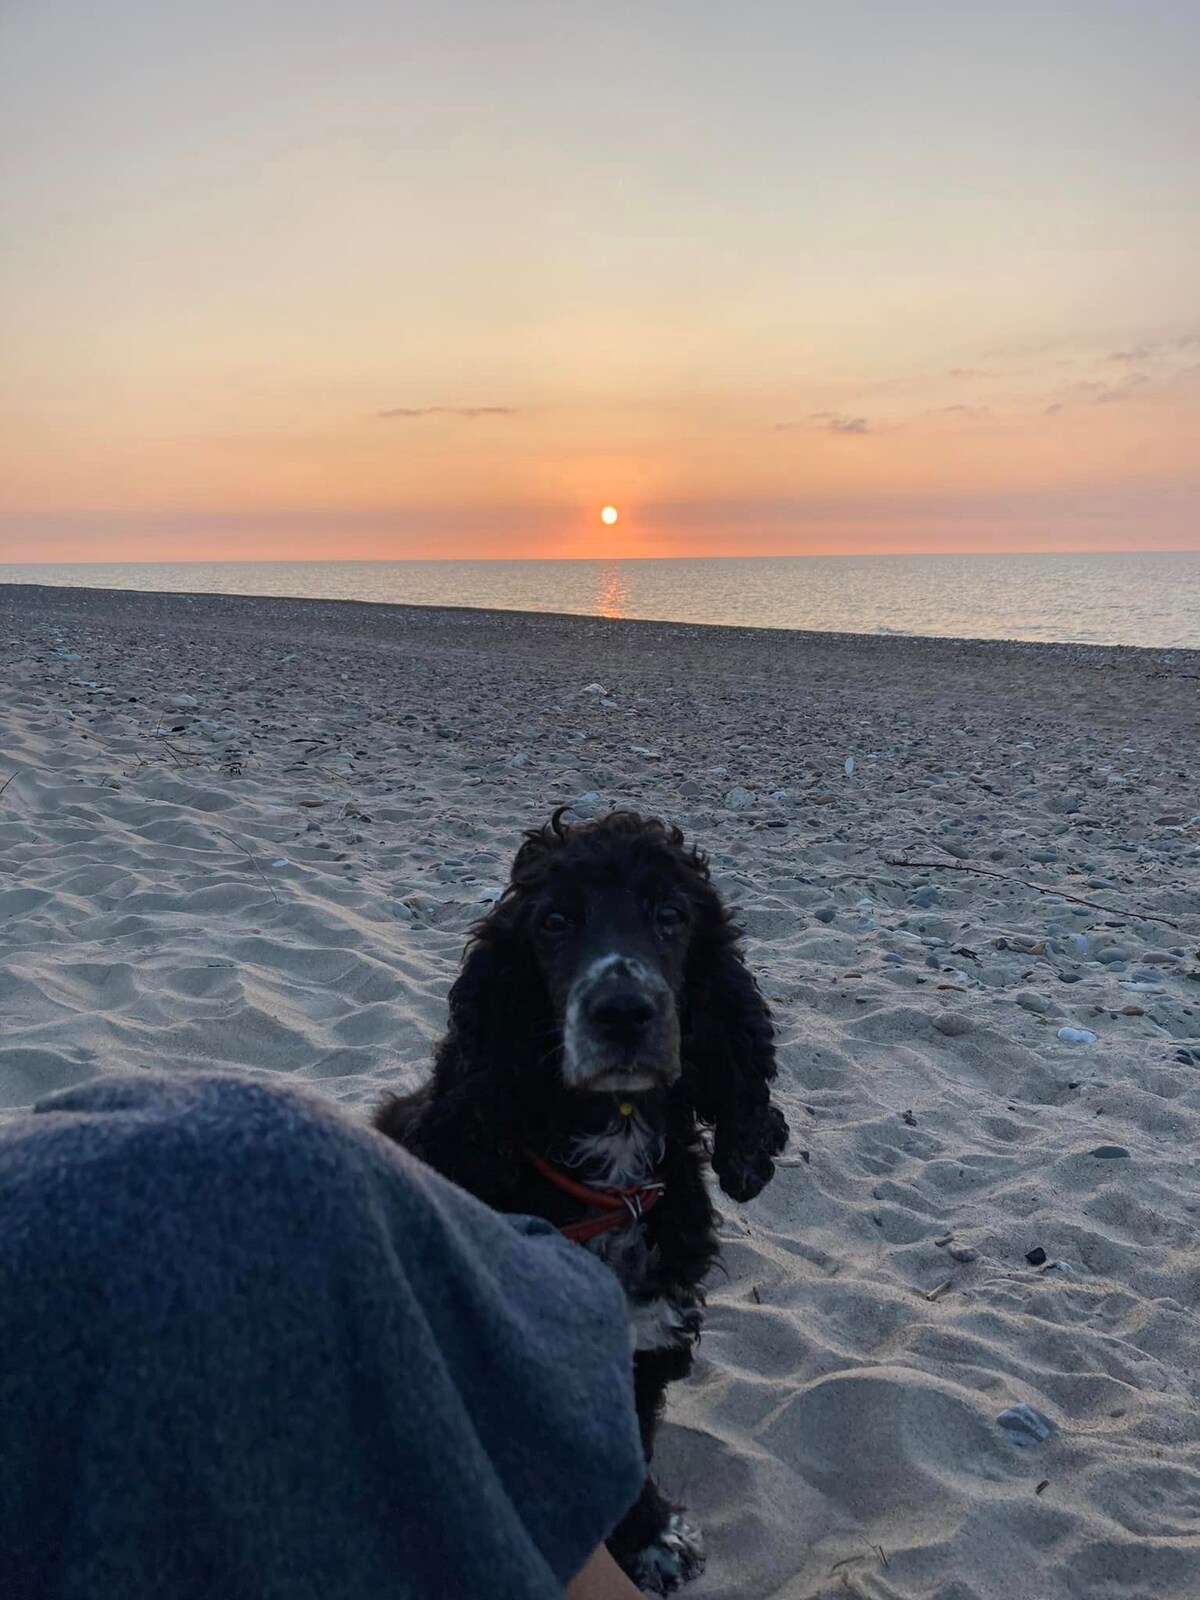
(249, 1348)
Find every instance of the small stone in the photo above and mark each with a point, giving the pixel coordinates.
(1077, 1036)
(1068, 977)
(1112, 953)
(1110, 1152)
(1025, 1426)
(1173, 820)
(953, 1024)
(585, 806)
(962, 1252)
(825, 914)
(690, 788)
(1036, 1257)
(519, 760)
(1044, 857)
(1033, 1002)
(739, 799)
(184, 702)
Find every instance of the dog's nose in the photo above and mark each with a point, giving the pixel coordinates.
(621, 1015)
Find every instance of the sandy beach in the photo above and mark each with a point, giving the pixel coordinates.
(253, 833)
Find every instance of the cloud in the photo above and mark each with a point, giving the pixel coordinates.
(448, 411)
(827, 422)
(834, 422)
(1123, 390)
(1053, 410)
(1138, 353)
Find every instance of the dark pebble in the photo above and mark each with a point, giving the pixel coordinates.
(1068, 977)
(1109, 1152)
(1036, 1257)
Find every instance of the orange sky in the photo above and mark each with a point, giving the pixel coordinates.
(318, 285)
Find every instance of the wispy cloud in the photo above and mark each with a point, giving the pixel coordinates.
(1123, 390)
(448, 411)
(827, 422)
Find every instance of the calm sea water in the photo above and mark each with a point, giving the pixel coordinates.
(1087, 599)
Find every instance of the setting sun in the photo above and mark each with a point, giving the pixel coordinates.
(609, 515)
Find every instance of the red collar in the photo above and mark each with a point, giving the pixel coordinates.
(618, 1207)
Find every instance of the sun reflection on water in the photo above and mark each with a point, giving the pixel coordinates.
(612, 591)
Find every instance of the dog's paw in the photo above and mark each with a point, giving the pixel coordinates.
(745, 1170)
(675, 1558)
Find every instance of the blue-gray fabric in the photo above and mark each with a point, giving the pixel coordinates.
(249, 1348)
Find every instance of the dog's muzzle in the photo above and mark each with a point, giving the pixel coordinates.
(621, 1031)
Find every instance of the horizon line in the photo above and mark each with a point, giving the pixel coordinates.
(369, 561)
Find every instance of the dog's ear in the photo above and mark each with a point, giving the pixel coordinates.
(469, 1127)
(729, 1057)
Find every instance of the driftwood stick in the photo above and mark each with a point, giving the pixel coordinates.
(250, 858)
(1011, 877)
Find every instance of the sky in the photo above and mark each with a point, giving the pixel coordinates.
(380, 279)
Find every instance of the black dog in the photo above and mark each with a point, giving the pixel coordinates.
(603, 1017)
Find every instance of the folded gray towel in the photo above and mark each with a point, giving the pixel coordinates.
(250, 1348)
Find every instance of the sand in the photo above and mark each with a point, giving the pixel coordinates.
(253, 834)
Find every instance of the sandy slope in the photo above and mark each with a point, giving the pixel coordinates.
(279, 877)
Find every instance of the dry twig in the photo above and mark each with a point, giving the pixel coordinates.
(250, 858)
(1011, 877)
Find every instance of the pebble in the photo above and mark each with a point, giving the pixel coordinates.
(926, 898)
(953, 1024)
(1110, 1152)
(184, 702)
(1112, 952)
(1044, 857)
(585, 806)
(962, 1252)
(1036, 1257)
(1077, 1036)
(825, 914)
(1033, 1002)
(739, 799)
(1025, 1426)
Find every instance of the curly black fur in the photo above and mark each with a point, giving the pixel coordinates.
(496, 1089)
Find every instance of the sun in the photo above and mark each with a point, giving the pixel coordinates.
(609, 515)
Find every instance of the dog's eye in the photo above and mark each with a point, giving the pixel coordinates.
(555, 922)
(669, 917)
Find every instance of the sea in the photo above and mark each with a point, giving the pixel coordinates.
(1135, 599)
